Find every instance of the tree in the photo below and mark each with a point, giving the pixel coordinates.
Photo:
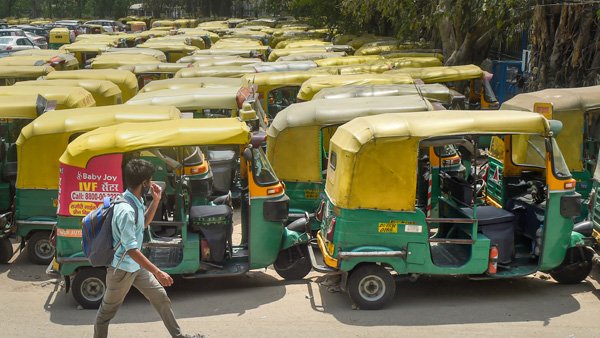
(465, 28)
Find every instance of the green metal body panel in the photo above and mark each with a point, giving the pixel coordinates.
(304, 195)
(5, 196)
(494, 188)
(34, 205)
(265, 236)
(557, 233)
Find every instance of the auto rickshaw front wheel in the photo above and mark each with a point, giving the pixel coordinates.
(293, 263)
(576, 266)
(371, 286)
(89, 286)
(39, 248)
(6, 250)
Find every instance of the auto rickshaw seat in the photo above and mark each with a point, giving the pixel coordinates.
(215, 224)
(499, 226)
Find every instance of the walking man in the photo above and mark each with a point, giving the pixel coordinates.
(129, 266)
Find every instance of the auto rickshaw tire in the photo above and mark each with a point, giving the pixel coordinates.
(293, 263)
(6, 250)
(88, 287)
(371, 286)
(39, 248)
(574, 267)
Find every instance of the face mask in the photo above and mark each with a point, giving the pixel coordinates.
(145, 190)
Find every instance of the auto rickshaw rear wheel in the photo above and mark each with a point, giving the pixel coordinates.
(39, 248)
(89, 286)
(293, 263)
(371, 286)
(576, 266)
(6, 250)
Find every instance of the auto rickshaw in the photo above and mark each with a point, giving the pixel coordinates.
(311, 56)
(195, 82)
(164, 23)
(147, 73)
(202, 246)
(114, 61)
(309, 126)
(481, 95)
(313, 85)
(199, 41)
(299, 43)
(104, 92)
(436, 92)
(216, 71)
(579, 111)
(373, 224)
(286, 66)
(126, 81)
(58, 36)
(136, 26)
(278, 90)
(36, 190)
(173, 50)
(11, 74)
(218, 102)
(277, 53)
(85, 51)
(133, 52)
(349, 60)
(65, 97)
(239, 51)
(57, 61)
(234, 61)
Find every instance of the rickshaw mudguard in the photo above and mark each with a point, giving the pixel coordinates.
(292, 238)
(577, 239)
(397, 263)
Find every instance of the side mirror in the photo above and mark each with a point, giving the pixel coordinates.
(555, 127)
(248, 154)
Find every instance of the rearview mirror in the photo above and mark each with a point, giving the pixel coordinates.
(555, 127)
(248, 154)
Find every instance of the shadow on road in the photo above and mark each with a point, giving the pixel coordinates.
(21, 269)
(191, 298)
(443, 300)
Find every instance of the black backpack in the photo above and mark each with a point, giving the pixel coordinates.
(96, 230)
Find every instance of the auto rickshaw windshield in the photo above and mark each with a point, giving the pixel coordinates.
(263, 173)
(559, 165)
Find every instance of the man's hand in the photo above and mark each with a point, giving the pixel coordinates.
(163, 278)
(156, 192)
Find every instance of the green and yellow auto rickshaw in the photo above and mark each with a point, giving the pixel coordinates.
(193, 82)
(147, 73)
(372, 224)
(277, 90)
(579, 111)
(65, 97)
(310, 125)
(202, 246)
(126, 81)
(174, 50)
(481, 95)
(84, 50)
(58, 36)
(35, 199)
(11, 74)
(136, 26)
(315, 84)
(104, 92)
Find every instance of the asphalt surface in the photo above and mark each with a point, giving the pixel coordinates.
(260, 304)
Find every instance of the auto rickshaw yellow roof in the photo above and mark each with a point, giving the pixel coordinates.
(25, 60)
(348, 60)
(30, 72)
(166, 68)
(152, 33)
(311, 56)
(241, 51)
(65, 97)
(301, 43)
(434, 91)
(216, 71)
(313, 85)
(128, 52)
(292, 78)
(569, 105)
(442, 74)
(86, 47)
(277, 53)
(61, 30)
(165, 46)
(23, 107)
(104, 92)
(235, 61)
(126, 81)
(299, 127)
(57, 127)
(114, 61)
(189, 99)
(369, 148)
(127, 137)
(572, 100)
(192, 82)
(40, 52)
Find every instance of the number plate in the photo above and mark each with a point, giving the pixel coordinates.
(389, 227)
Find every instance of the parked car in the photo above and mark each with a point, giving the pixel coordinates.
(108, 25)
(12, 32)
(14, 43)
(37, 40)
(40, 31)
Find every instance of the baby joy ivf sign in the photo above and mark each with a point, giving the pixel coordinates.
(83, 190)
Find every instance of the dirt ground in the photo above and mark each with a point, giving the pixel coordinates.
(261, 304)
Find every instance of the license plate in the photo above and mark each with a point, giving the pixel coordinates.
(389, 227)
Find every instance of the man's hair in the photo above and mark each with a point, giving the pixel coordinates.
(136, 172)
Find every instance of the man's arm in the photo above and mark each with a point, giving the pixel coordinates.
(163, 278)
(156, 196)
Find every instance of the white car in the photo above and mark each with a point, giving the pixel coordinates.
(37, 40)
(15, 43)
